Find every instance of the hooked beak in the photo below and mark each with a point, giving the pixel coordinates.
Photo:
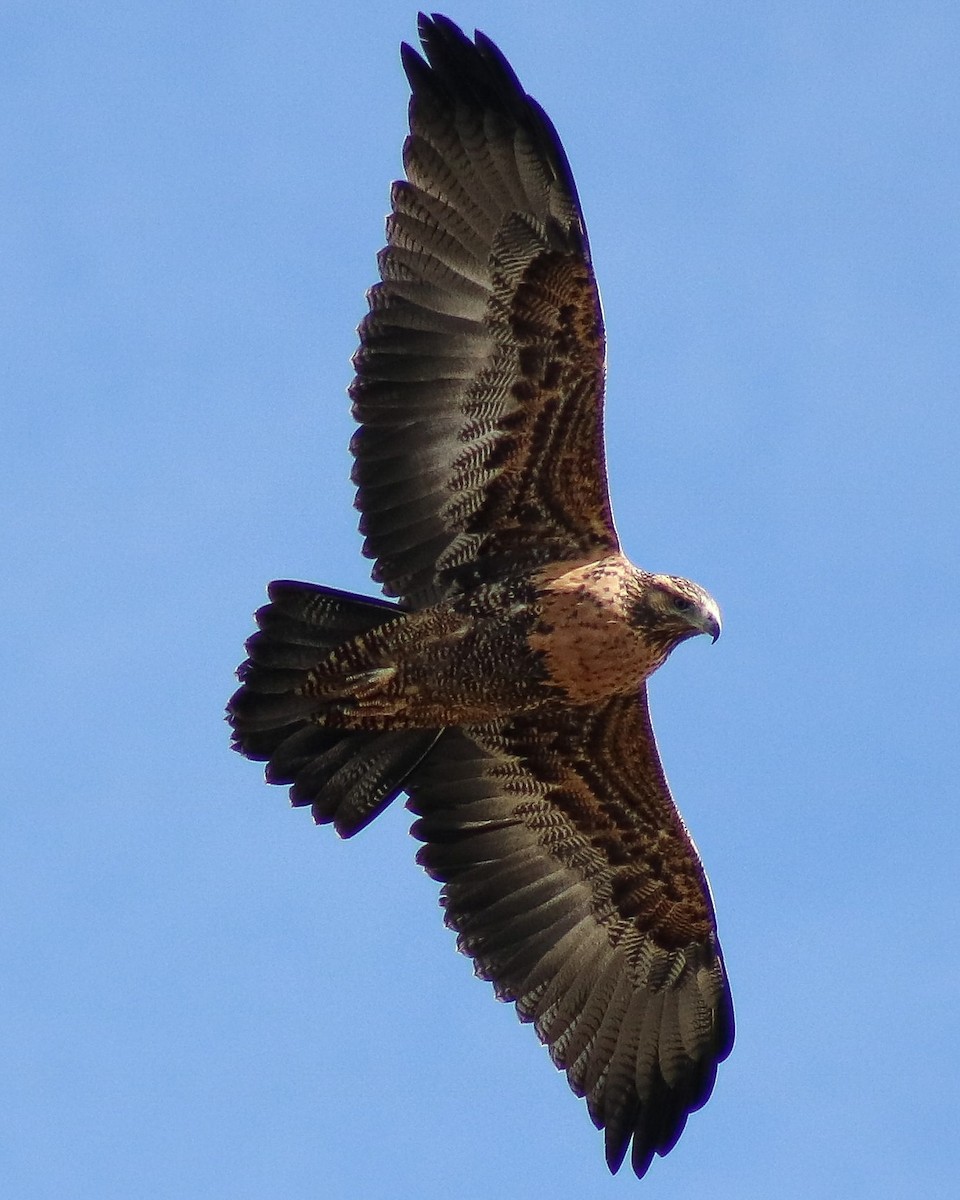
(709, 621)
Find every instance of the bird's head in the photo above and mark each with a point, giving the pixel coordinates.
(670, 610)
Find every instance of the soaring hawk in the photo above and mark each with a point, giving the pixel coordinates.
(505, 688)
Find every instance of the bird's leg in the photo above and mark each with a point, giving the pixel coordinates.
(454, 664)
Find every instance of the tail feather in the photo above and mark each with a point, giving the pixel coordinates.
(346, 777)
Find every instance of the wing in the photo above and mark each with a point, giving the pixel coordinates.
(479, 380)
(571, 880)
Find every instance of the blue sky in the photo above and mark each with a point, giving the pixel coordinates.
(204, 995)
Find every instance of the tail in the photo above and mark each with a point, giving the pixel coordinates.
(347, 778)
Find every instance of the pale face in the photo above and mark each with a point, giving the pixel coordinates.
(680, 608)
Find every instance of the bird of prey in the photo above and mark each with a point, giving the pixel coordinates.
(504, 688)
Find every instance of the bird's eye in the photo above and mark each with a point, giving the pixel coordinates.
(682, 603)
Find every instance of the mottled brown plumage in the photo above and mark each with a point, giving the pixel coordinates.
(506, 691)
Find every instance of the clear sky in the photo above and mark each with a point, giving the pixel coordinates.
(202, 995)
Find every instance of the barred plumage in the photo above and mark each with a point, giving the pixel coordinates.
(505, 691)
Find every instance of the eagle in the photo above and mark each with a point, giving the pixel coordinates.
(502, 686)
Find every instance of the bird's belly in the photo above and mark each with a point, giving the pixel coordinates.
(591, 655)
(589, 648)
